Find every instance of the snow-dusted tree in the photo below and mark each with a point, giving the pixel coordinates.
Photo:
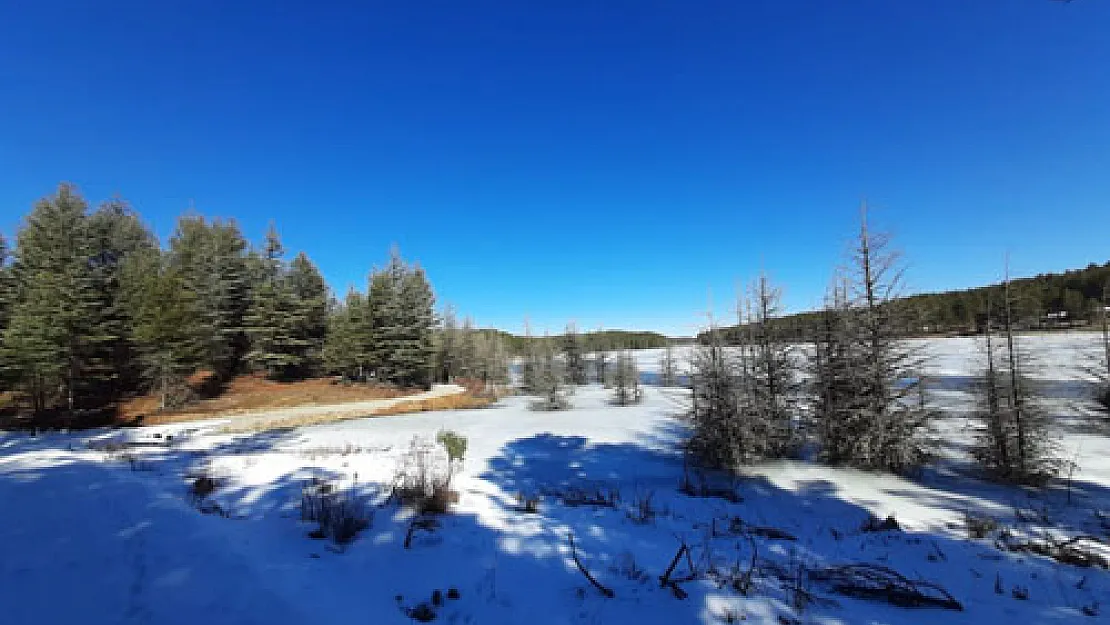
(626, 380)
(470, 365)
(867, 378)
(718, 439)
(571, 346)
(447, 346)
(769, 380)
(491, 361)
(1102, 371)
(1014, 442)
(668, 367)
(550, 379)
(602, 365)
(529, 361)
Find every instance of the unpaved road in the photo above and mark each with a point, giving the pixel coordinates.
(272, 418)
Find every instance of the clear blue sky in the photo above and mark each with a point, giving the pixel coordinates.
(606, 162)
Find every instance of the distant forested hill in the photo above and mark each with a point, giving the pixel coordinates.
(1069, 299)
(592, 341)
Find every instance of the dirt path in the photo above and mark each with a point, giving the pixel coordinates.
(272, 418)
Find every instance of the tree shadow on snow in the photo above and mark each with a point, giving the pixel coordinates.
(148, 554)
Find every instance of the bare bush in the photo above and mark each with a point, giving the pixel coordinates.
(643, 509)
(422, 480)
(340, 516)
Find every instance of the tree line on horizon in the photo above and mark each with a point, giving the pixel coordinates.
(1074, 298)
(94, 310)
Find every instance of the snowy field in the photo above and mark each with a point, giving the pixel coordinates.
(99, 528)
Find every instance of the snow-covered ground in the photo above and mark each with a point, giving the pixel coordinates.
(98, 527)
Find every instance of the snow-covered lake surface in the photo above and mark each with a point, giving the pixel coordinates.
(98, 528)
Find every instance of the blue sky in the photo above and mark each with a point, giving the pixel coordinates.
(606, 162)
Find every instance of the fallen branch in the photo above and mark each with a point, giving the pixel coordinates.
(665, 580)
(872, 581)
(1066, 551)
(607, 592)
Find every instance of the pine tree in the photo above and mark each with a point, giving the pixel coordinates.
(6, 293)
(310, 297)
(832, 381)
(601, 365)
(529, 361)
(402, 322)
(347, 345)
(572, 355)
(718, 439)
(1014, 443)
(668, 367)
(62, 317)
(769, 377)
(492, 358)
(470, 366)
(117, 236)
(447, 346)
(212, 261)
(626, 381)
(1102, 371)
(165, 319)
(873, 420)
(287, 319)
(550, 379)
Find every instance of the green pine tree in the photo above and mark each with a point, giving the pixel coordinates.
(212, 260)
(60, 319)
(166, 332)
(310, 298)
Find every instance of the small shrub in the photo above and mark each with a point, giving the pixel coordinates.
(550, 403)
(979, 527)
(422, 613)
(643, 510)
(423, 478)
(202, 487)
(528, 503)
(454, 443)
(874, 524)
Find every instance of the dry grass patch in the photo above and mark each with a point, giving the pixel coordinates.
(461, 401)
(250, 393)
